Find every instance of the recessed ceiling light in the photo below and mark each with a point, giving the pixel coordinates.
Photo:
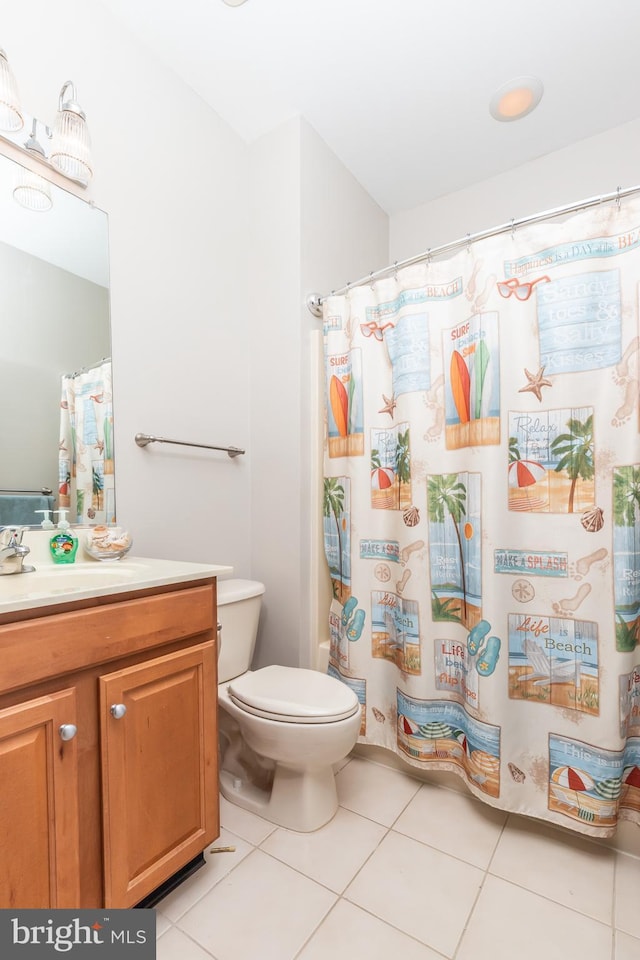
(234, 3)
(516, 98)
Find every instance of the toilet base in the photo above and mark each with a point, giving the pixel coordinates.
(300, 799)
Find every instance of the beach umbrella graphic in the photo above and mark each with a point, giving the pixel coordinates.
(576, 782)
(524, 473)
(409, 728)
(609, 789)
(631, 776)
(463, 740)
(382, 478)
(435, 730)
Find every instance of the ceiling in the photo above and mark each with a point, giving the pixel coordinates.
(400, 89)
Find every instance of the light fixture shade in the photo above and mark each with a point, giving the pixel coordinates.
(70, 143)
(516, 99)
(11, 118)
(33, 192)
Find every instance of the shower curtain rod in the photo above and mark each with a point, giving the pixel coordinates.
(315, 300)
(91, 366)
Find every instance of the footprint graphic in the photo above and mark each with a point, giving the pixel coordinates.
(401, 584)
(564, 608)
(584, 564)
(406, 552)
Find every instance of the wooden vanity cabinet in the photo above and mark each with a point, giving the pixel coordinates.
(39, 840)
(107, 816)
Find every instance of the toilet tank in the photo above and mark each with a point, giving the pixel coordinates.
(238, 613)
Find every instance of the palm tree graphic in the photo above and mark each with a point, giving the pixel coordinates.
(402, 461)
(626, 509)
(446, 492)
(514, 450)
(575, 450)
(98, 486)
(333, 503)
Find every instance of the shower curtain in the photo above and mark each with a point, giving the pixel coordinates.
(85, 460)
(482, 515)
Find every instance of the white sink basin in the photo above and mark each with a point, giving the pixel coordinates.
(49, 584)
(70, 578)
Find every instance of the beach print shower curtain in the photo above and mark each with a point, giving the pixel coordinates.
(482, 515)
(85, 458)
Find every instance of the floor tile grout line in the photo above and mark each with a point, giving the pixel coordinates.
(564, 836)
(189, 937)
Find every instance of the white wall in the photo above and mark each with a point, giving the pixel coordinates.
(173, 179)
(344, 237)
(313, 227)
(213, 246)
(588, 168)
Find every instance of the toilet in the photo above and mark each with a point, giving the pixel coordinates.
(281, 729)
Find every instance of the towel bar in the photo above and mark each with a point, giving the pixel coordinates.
(142, 439)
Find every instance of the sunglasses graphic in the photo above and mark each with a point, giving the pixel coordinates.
(522, 291)
(373, 330)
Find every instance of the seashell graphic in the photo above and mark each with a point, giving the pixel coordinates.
(411, 516)
(593, 520)
(516, 773)
(379, 715)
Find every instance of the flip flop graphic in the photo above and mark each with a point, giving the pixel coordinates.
(348, 609)
(354, 630)
(486, 662)
(477, 635)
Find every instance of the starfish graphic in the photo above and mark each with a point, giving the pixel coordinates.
(536, 382)
(389, 405)
(96, 926)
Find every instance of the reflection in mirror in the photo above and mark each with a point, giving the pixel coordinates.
(56, 421)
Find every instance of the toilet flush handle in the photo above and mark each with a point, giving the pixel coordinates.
(219, 638)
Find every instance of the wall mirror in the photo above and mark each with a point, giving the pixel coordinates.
(56, 421)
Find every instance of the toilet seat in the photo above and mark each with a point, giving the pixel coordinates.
(293, 695)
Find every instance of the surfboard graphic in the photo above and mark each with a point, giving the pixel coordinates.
(479, 378)
(460, 386)
(339, 402)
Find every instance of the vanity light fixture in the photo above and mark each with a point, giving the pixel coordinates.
(66, 149)
(516, 98)
(11, 117)
(70, 144)
(33, 192)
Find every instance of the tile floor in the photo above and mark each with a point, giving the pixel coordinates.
(408, 870)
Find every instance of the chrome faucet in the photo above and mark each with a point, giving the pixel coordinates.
(13, 551)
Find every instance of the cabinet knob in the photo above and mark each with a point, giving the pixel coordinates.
(67, 731)
(118, 710)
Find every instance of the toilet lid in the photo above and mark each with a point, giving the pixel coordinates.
(294, 695)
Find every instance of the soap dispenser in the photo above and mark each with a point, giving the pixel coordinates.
(47, 523)
(63, 545)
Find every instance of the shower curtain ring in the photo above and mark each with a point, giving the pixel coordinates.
(468, 243)
(513, 228)
(395, 270)
(371, 281)
(618, 198)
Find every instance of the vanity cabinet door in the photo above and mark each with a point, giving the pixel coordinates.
(159, 769)
(39, 848)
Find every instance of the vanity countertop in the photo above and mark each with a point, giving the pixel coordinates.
(52, 584)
